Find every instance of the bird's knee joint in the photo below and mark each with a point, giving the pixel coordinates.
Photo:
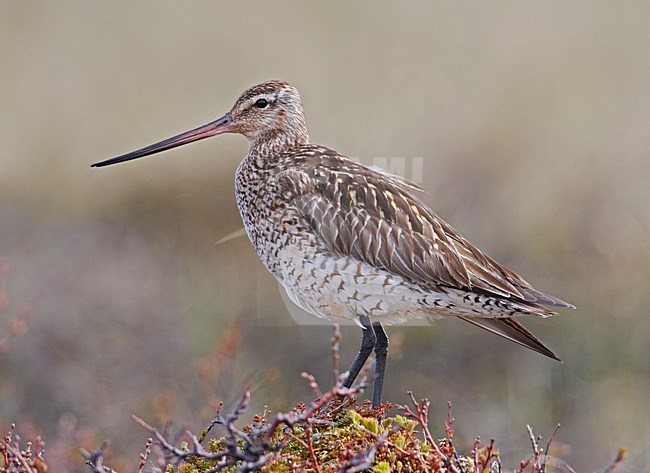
(381, 350)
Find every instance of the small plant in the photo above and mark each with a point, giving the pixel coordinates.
(331, 434)
(16, 458)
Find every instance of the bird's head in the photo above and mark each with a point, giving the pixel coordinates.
(270, 112)
(269, 109)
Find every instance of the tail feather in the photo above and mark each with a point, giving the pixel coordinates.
(533, 295)
(508, 327)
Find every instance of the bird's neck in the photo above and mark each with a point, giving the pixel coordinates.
(268, 145)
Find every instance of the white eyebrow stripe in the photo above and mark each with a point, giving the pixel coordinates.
(267, 97)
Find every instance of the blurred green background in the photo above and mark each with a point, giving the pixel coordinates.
(533, 122)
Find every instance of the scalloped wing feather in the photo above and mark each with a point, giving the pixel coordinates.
(374, 217)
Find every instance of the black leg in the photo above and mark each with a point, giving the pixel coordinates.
(381, 351)
(368, 341)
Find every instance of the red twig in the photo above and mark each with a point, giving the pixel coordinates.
(312, 383)
(488, 455)
(477, 443)
(310, 447)
(145, 454)
(384, 438)
(422, 417)
(335, 343)
(550, 440)
(449, 425)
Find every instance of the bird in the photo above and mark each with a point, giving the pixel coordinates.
(351, 242)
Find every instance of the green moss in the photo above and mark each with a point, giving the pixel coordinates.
(394, 444)
(382, 467)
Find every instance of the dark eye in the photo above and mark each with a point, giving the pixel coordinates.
(261, 103)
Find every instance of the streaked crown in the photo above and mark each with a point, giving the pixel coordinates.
(271, 110)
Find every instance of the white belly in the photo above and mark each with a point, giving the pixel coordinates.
(344, 288)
